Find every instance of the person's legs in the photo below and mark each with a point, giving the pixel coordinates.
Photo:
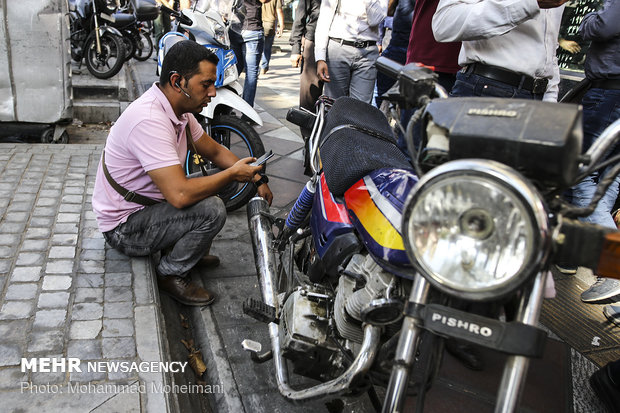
(364, 74)
(189, 231)
(253, 42)
(601, 107)
(385, 82)
(266, 58)
(236, 44)
(310, 87)
(339, 60)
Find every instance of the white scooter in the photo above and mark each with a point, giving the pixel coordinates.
(221, 119)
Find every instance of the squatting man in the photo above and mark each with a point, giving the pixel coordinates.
(142, 199)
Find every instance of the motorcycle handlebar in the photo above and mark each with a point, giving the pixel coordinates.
(388, 67)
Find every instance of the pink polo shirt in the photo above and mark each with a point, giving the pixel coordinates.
(148, 135)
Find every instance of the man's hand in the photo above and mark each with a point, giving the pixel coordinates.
(321, 70)
(243, 172)
(295, 60)
(264, 192)
(279, 31)
(569, 46)
(550, 4)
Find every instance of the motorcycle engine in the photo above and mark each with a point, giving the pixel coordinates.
(366, 294)
(306, 336)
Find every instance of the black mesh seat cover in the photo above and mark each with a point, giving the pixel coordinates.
(356, 140)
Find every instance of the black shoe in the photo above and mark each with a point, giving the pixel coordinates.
(606, 390)
(466, 353)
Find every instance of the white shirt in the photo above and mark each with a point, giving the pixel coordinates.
(355, 20)
(512, 34)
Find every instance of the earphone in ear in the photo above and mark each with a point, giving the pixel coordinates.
(177, 84)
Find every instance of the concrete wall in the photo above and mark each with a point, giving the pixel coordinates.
(35, 62)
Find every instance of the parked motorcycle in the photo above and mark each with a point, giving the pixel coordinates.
(368, 272)
(131, 20)
(204, 25)
(93, 40)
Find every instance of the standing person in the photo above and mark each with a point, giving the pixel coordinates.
(601, 107)
(162, 23)
(397, 47)
(142, 199)
(302, 52)
(346, 46)
(423, 48)
(247, 39)
(272, 13)
(496, 36)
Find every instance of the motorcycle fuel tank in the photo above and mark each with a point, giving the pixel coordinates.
(375, 205)
(334, 238)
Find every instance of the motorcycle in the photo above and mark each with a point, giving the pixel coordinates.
(91, 39)
(204, 25)
(369, 271)
(131, 20)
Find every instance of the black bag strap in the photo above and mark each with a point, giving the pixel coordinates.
(127, 195)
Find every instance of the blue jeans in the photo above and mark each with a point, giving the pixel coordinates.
(601, 107)
(264, 61)
(189, 231)
(471, 84)
(253, 43)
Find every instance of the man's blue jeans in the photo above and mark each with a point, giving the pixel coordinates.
(189, 231)
(601, 107)
(264, 62)
(471, 84)
(253, 43)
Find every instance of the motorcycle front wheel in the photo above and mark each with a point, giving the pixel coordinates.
(109, 62)
(241, 138)
(144, 46)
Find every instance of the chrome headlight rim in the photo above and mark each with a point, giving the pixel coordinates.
(509, 179)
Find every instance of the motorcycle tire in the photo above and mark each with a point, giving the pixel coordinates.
(109, 62)
(241, 138)
(144, 48)
(130, 46)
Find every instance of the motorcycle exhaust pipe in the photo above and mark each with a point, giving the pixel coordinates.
(264, 257)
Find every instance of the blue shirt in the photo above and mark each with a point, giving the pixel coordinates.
(603, 29)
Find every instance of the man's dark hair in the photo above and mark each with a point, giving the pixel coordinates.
(184, 58)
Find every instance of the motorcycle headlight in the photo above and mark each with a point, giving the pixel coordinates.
(230, 74)
(475, 229)
(220, 34)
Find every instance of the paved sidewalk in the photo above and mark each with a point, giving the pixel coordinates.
(64, 293)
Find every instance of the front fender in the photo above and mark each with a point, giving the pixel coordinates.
(229, 98)
(109, 29)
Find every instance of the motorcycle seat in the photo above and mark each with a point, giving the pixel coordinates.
(356, 140)
(122, 20)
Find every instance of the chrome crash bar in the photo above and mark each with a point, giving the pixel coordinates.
(264, 257)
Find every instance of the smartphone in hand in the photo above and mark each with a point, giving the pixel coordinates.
(262, 159)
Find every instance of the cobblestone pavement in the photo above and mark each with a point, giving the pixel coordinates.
(64, 293)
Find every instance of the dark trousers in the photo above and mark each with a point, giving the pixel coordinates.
(310, 87)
